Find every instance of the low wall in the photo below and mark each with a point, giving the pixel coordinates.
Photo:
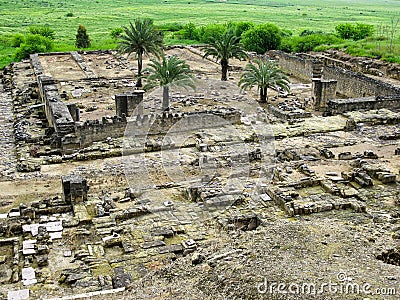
(288, 115)
(99, 130)
(338, 106)
(57, 112)
(154, 124)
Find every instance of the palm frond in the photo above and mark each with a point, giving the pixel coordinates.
(263, 74)
(170, 71)
(226, 47)
(140, 37)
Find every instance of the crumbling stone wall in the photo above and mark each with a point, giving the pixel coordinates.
(141, 125)
(323, 91)
(288, 115)
(57, 112)
(338, 106)
(349, 84)
(362, 64)
(75, 188)
(127, 103)
(98, 130)
(195, 120)
(295, 65)
(355, 85)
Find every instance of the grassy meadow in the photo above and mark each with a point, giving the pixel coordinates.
(101, 16)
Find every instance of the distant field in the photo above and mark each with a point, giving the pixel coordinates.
(101, 16)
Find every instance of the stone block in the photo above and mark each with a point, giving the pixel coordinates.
(75, 188)
(345, 156)
(388, 178)
(18, 295)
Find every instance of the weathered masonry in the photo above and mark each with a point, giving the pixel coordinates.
(337, 89)
(72, 133)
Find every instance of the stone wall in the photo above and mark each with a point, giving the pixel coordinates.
(154, 124)
(127, 103)
(363, 65)
(338, 106)
(355, 85)
(57, 112)
(295, 65)
(187, 121)
(98, 130)
(323, 91)
(75, 189)
(349, 84)
(288, 115)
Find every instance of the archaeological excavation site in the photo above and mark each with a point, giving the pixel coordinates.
(105, 195)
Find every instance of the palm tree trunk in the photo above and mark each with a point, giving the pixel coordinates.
(140, 66)
(224, 66)
(165, 100)
(263, 95)
(266, 93)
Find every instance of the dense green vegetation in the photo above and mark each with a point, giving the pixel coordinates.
(103, 20)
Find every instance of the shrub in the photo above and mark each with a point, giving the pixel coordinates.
(355, 32)
(345, 31)
(286, 44)
(34, 43)
(286, 33)
(116, 32)
(82, 38)
(211, 31)
(173, 27)
(363, 31)
(17, 40)
(243, 26)
(69, 15)
(310, 42)
(189, 31)
(45, 31)
(262, 38)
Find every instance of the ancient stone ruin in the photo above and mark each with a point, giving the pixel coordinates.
(102, 191)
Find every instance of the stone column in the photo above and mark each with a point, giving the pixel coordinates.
(121, 105)
(75, 188)
(138, 96)
(328, 92)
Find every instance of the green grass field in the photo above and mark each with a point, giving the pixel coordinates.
(100, 16)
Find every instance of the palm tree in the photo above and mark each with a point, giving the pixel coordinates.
(168, 72)
(264, 74)
(141, 38)
(224, 48)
